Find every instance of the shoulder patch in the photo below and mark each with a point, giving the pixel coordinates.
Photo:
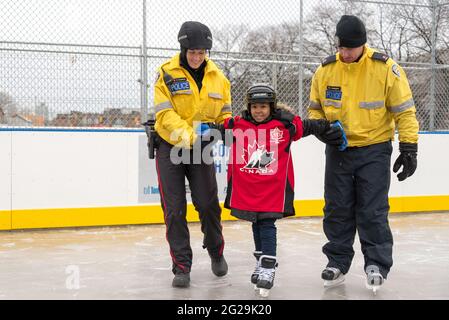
(328, 60)
(395, 70)
(380, 56)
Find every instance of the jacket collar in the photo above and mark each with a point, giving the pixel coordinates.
(174, 63)
(367, 53)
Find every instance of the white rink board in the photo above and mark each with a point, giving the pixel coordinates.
(5, 170)
(430, 178)
(73, 169)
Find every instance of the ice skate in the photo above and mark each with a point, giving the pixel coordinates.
(374, 279)
(255, 274)
(265, 280)
(332, 277)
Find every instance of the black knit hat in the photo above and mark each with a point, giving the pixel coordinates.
(195, 35)
(351, 32)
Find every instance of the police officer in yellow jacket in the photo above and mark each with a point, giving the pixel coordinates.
(190, 92)
(370, 95)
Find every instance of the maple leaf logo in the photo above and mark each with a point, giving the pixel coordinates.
(276, 135)
(259, 157)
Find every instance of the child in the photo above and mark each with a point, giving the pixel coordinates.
(260, 172)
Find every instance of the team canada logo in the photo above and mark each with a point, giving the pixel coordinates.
(259, 159)
(276, 135)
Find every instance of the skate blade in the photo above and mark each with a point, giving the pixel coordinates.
(264, 292)
(334, 283)
(372, 287)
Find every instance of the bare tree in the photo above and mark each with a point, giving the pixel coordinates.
(228, 41)
(404, 32)
(418, 45)
(392, 35)
(320, 25)
(419, 21)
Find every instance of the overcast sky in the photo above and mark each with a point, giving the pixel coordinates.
(119, 22)
(76, 82)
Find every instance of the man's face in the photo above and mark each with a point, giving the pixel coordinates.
(349, 55)
(195, 57)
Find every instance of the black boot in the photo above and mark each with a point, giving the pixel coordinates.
(181, 280)
(218, 262)
(219, 266)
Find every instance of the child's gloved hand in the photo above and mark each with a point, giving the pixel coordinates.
(344, 144)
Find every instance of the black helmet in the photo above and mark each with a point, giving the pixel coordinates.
(195, 35)
(259, 93)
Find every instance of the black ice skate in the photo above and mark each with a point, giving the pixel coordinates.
(332, 277)
(181, 280)
(255, 275)
(266, 274)
(373, 278)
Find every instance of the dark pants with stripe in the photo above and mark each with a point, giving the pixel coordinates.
(357, 182)
(203, 187)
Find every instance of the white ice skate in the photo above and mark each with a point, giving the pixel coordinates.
(266, 275)
(332, 277)
(374, 279)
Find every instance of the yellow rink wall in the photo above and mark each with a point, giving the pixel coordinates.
(79, 217)
(53, 179)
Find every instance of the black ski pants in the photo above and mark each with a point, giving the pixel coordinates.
(204, 193)
(357, 182)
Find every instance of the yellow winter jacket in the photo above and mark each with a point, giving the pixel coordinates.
(368, 97)
(180, 106)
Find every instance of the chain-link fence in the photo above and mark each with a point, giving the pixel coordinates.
(82, 63)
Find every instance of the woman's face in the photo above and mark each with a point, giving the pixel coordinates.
(195, 57)
(260, 111)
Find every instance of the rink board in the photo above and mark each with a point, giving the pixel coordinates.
(87, 177)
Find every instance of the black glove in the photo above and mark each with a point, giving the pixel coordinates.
(315, 126)
(407, 159)
(283, 115)
(219, 127)
(332, 136)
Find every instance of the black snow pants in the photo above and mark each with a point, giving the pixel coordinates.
(204, 193)
(357, 182)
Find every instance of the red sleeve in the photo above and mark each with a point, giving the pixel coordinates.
(297, 122)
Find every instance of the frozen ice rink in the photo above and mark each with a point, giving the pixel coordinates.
(133, 262)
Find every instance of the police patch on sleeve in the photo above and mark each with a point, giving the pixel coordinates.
(395, 70)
